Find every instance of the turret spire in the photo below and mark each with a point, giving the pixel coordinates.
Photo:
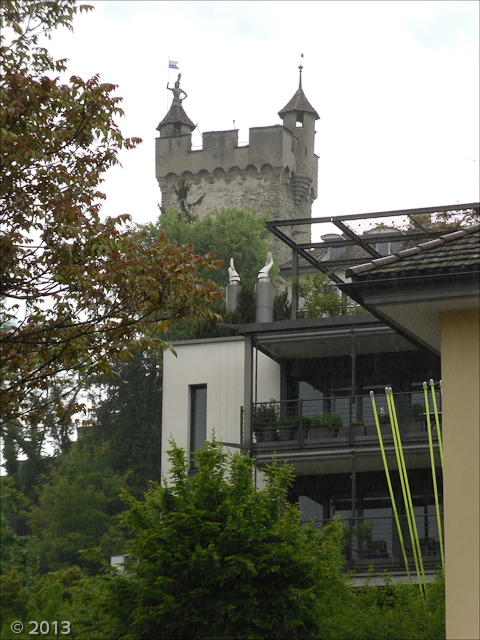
(299, 102)
(300, 69)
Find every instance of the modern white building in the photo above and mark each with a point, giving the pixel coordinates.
(204, 392)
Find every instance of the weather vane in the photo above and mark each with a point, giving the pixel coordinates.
(300, 68)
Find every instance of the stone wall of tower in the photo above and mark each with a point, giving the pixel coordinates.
(260, 175)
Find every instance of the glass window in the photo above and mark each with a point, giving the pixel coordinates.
(198, 416)
(310, 511)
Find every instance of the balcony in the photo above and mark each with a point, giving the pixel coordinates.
(337, 421)
(375, 541)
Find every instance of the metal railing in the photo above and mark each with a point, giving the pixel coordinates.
(338, 419)
(375, 540)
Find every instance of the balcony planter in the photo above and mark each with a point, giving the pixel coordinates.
(332, 421)
(383, 417)
(286, 428)
(320, 433)
(417, 412)
(265, 420)
(359, 429)
(325, 425)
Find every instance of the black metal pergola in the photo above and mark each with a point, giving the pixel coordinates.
(350, 237)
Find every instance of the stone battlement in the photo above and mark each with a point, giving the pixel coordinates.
(274, 146)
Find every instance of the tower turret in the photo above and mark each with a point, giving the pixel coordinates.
(176, 122)
(299, 117)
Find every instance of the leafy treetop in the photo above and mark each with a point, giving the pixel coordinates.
(218, 558)
(231, 233)
(77, 292)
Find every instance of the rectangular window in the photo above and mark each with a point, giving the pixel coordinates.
(198, 416)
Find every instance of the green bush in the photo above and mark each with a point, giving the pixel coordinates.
(219, 558)
(332, 421)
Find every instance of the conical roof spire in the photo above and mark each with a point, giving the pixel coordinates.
(176, 115)
(299, 101)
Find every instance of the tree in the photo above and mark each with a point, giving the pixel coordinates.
(216, 557)
(231, 233)
(128, 415)
(317, 298)
(76, 520)
(16, 551)
(77, 293)
(181, 193)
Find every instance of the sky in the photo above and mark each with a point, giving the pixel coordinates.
(396, 85)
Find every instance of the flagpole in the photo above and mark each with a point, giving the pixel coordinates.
(168, 78)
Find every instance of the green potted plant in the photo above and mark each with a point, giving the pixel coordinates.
(285, 426)
(332, 421)
(314, 427)
(416, 411)
(383, 417)
(265, 419)
(364, 531)
(325, 425)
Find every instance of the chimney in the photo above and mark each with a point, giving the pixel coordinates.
(233, 288)
(264, 293)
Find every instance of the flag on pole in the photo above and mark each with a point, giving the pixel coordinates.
(172, 64)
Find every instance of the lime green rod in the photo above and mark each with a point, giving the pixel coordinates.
(434, 475)
(407, 496)
(437, 421)
(387, 473)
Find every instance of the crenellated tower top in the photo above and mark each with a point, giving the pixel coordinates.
(276, 170)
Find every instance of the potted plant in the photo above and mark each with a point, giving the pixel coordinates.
(314, 427)
(285, 426)
(265, 417)
(364, 531)
(383, 417)
(325, 425)
(416, 411)
(332, 421)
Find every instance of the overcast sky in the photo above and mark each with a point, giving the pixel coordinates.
(396, 85)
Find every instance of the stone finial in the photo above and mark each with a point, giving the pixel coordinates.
(263, 273)
(234, 278)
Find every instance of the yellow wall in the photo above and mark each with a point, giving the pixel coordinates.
(460, 338)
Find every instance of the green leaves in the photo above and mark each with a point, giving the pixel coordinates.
(317, 298)
(217, 557)
(76, 519)
(77, 292)
(230, 233)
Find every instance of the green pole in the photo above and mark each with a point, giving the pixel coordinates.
(437, 420)
(434, 475)
(387, 473)
(407, 496)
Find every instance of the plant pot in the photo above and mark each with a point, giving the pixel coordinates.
(321, 433)
(269, 434)
(285, 433)
(359, 430)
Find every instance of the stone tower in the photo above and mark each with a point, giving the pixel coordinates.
(277, 169)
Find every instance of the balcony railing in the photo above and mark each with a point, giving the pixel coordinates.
(336, 420)
(376, 541)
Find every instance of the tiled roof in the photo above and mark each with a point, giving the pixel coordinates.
(460, 249)
(352, 252)
(176, 114)
(299, 102)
